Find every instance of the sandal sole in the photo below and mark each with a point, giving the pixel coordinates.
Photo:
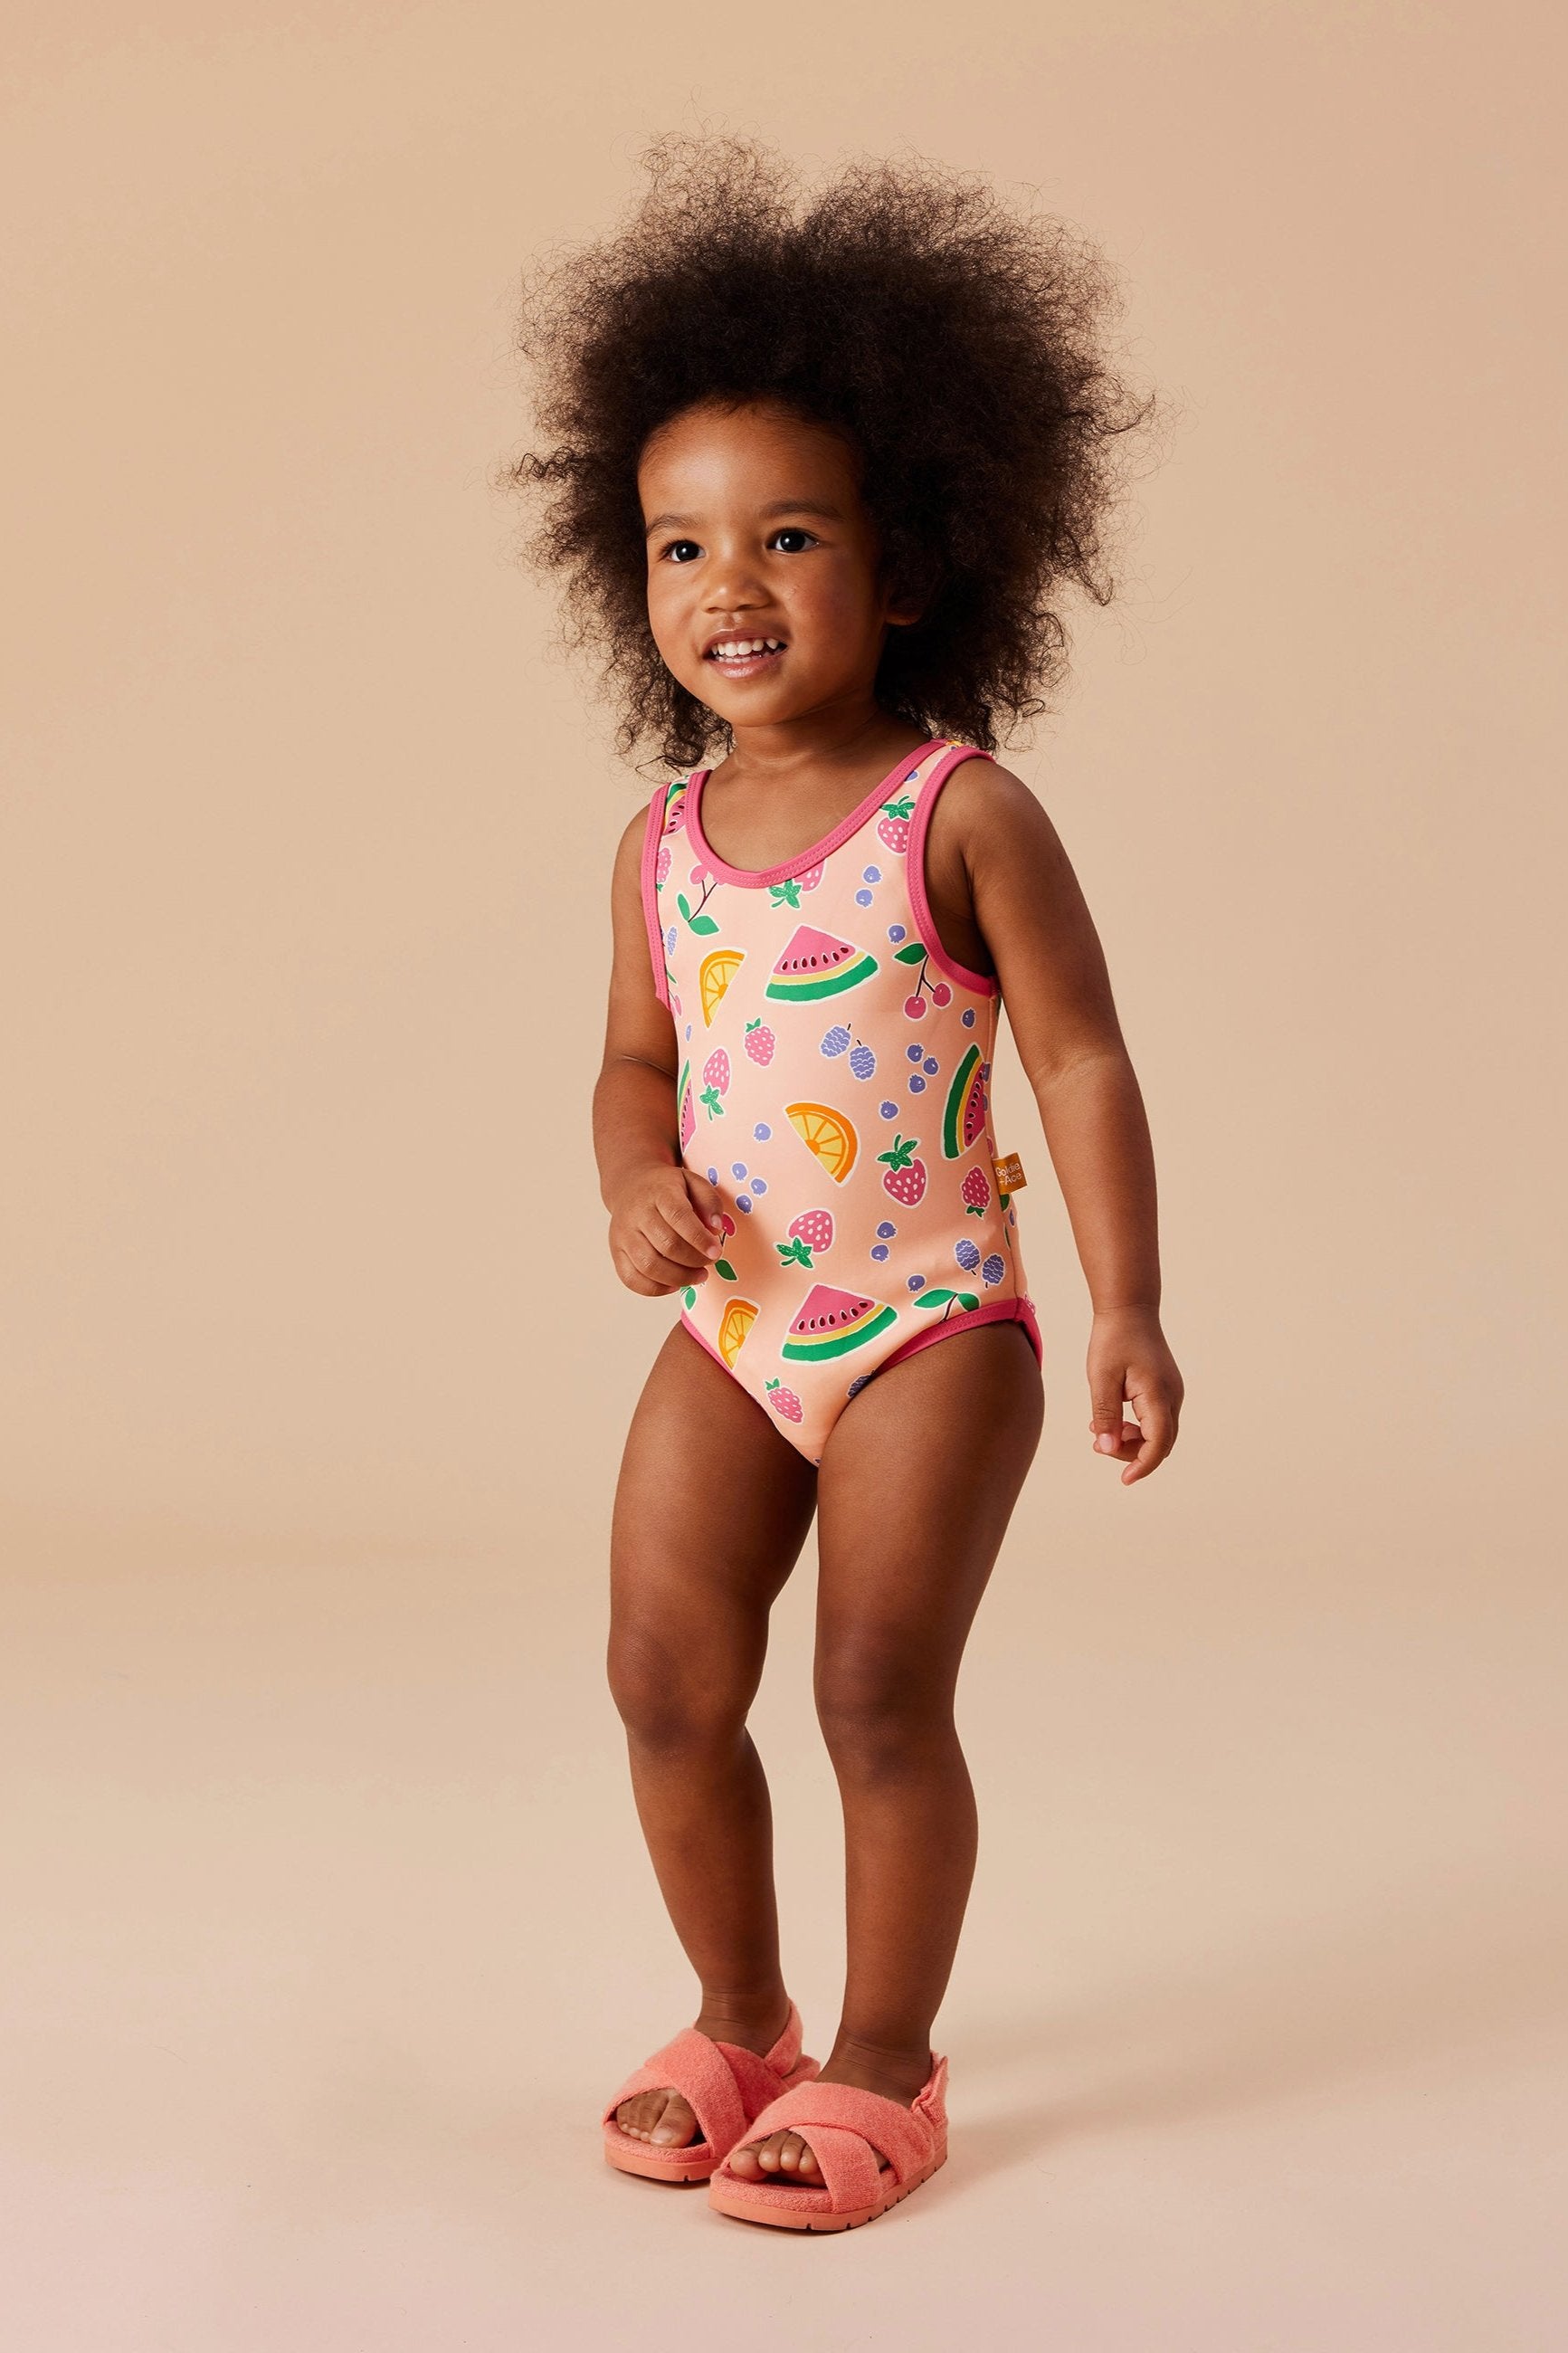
(731, 2198)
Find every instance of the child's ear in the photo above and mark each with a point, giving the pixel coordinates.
(912, 591)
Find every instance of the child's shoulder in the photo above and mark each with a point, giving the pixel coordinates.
(985, 802)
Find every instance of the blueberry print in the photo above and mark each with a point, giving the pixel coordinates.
(879, 1251)
(761, 1130)
(930, 1066)
(885, 1231)
(895, 931)
(917, 1282)
(872, 874)
(713, 1176)
(887, 1110)
(742, 1203)
(969, 1016)
(913, 1053)
(759, 1186)
(917, 1085)
(862, 898)
(737, 1167)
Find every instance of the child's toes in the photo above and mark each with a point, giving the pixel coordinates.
(676, 2124)
(663, 2117)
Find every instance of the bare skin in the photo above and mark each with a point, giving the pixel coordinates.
(756, 529)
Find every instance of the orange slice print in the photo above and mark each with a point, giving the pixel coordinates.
(714, 974)
(739, 1316)
(827, 1134)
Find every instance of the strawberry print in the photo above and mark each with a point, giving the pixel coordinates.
(906, 1176)
(977, 1193)
(893, 825)
(783, 1401)
(810, 1235)
(760, 1041)
(715, 1082)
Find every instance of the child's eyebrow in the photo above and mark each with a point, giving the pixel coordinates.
(779, 507)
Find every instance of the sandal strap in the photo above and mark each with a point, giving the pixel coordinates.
(724, 2084)
(906, 2137)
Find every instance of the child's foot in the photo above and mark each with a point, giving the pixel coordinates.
(785, 2157)
(664, 2117)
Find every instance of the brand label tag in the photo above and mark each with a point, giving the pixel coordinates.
(1008, 1170)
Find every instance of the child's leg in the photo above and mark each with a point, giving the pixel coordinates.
(711, 1512)
(916, 1488)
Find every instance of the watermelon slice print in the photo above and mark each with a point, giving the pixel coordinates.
(687, 1100)
(817, 965)
(963, 1120)
(833, 1322)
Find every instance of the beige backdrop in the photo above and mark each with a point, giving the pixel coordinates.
(326, 1923)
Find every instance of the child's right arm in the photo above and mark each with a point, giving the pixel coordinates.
(664, 1225)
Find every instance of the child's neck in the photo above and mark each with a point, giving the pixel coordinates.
(837, 740)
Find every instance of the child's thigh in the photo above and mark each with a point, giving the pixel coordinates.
(712, 1505)
(916, 1485)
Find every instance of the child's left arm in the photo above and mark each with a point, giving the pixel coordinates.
(992, 846)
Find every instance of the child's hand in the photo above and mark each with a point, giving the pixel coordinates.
(666, 1231)
(1127, 1358)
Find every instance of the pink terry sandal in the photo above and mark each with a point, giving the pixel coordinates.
(726, 2085)
(844, 2127)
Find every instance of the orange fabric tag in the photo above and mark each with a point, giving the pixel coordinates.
(1009, 1173)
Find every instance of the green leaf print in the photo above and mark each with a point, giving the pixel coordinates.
(708, 1099)
(703, 923)
(935, 1297)
(784, 895)
(912, 953)
(689, 1296)
(968, 1302)
(794, 1252)
(722, 1266)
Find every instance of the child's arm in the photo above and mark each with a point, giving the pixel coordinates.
(658, 1240)
(1027, 906)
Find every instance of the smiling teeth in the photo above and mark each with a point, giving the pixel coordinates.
(737, 649)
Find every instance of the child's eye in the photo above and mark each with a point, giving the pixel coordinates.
(682, 550)
(793, 540)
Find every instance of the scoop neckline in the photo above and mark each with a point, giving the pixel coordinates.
(758, 878)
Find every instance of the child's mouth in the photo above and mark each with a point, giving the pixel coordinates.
(745, 656)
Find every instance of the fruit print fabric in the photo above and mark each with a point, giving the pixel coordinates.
(837, 1089)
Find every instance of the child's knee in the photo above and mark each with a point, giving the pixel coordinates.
(878, 1713)
(667, 1698)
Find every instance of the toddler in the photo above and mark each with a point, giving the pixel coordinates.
(819, 472)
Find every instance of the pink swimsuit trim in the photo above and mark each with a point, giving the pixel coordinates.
(649, 875)
(983, 984)
(759, 879)
(995, 1311)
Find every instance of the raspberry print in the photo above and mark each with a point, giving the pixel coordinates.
(976, 1191)
(760, 1041)
(783, 1400)
(967, 1255)
(862, 1062)
(716, 1082)
(836, 1042)
(906, 1176)
(661, 864)
(993, 1268)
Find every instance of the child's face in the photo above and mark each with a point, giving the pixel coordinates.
(756, 529)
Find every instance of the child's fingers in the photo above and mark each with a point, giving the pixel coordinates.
(1158, 1438)
(677, 1236)
(707, 1207)
(645, 1268)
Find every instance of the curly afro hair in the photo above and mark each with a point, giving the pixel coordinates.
(957, 346)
